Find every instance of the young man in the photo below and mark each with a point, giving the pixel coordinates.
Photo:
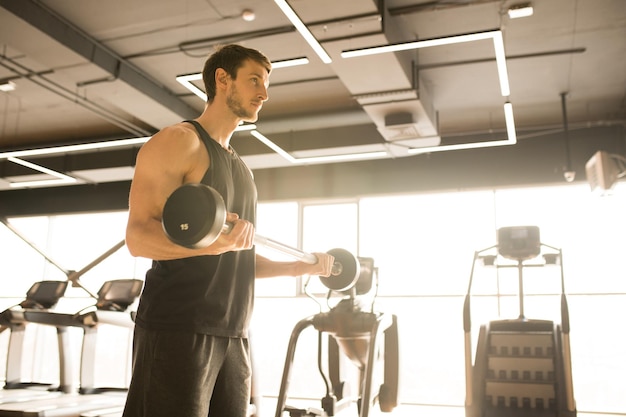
(190, 348)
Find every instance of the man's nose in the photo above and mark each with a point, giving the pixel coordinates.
(263, 95)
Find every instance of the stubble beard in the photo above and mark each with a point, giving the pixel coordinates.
(234, 104)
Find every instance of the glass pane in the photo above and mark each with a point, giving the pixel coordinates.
(327, 227)
(21, 264)
(598, 352)
(86, 243)
(584, 225)
(424, 244)
(277, 221)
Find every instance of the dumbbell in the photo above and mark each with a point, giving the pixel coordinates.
(194, 216)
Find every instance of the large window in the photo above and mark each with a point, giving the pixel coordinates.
(278, 221)
(71, 243)
(423, 246)
(83, 243)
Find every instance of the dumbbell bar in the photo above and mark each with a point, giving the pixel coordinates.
(194, 216)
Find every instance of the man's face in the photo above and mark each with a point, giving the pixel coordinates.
(248, 92)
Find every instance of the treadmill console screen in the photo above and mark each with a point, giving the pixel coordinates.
(519, 242)
(44, 294)
(119, 294)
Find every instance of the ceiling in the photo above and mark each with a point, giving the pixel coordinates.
(88, 71)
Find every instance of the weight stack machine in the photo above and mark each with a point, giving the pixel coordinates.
(522, 366)
(369, 339)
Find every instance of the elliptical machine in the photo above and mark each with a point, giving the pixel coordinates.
(355, 331)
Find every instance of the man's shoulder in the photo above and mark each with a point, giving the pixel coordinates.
(179, 134)
(183, 129)
(178, 139)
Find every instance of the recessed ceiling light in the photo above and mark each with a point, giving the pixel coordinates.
(520, 10)
(248, 15)
(7, 86)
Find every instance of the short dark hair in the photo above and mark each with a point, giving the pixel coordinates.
(230, 58)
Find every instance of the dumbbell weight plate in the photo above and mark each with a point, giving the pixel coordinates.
(194, 216)
(347, 277)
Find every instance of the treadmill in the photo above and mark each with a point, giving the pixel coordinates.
(42, 296)
(112, 308)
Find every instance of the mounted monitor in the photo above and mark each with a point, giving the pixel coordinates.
(519, 242)
(603, 170)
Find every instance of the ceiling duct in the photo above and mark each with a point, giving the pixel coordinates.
(400, 127)
(405, 117)
(403, 111)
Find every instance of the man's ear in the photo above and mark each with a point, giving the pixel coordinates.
(221, 78)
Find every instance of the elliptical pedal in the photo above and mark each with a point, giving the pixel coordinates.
(303, 412)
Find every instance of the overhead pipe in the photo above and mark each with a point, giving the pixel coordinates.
(39, 79)
(569, 173)
(58, 28)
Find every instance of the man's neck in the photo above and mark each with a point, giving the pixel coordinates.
(219, 125)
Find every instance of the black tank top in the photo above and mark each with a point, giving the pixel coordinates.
(207, 294)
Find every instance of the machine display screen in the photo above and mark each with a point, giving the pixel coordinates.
(45, 294)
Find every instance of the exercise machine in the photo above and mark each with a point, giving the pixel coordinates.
(42, 296)
(369, 339)
(111, 307)
(522, 366)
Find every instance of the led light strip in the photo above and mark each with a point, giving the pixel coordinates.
(14, 156)
(510, 122)
(41, 183)
(60, 177)
(498, 45)
(426, 43)
(186, 81)
(495, 35)
(316, 159)
(74, 148)
(92, 146)
(511, 138)
(290, 63)
(273, 146)
(304, 31)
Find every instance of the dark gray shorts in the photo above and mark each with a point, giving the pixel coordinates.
(177, 374)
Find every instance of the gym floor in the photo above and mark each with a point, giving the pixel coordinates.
(269, 408)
